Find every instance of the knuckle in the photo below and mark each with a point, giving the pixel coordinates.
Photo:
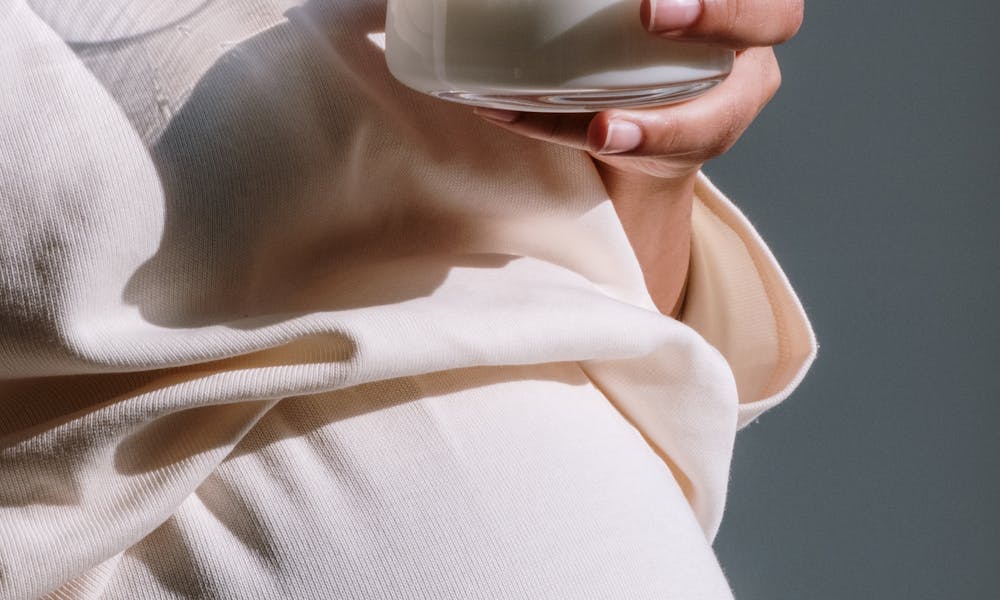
(734, 12)
(794, 13)
(772, 22)
(666, 140)
(731, 125)
(722, 18)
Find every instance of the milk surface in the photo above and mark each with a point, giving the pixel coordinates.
(529, 46)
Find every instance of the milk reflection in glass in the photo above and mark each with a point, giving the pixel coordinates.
(545, 55)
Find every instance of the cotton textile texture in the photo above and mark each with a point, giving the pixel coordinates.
(274, 326)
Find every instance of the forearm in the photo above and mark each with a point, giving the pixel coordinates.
(656, 215)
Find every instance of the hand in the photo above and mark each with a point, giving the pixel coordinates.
(648, 158)
(674, 141)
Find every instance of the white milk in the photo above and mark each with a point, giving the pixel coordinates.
(543, 54)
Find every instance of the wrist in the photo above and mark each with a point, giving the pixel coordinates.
(655, 213)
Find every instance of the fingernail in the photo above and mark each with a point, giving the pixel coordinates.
(496, 114)
(671, 15)
(622, 136)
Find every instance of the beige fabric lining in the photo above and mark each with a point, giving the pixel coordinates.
(794, 342)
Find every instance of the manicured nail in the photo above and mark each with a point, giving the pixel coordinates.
(496, 114)
(622, 136)
(673, 15)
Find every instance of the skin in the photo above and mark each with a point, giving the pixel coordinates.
(652, 185)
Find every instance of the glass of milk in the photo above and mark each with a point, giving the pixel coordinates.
(544, 55)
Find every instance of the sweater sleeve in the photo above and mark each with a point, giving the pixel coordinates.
(194, 230)
(741, 302)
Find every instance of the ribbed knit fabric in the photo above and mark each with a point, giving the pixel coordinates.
(274, 326)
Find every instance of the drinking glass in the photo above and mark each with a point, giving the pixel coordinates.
(544, 55)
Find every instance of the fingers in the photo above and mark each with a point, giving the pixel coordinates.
(691, 132)
(734, 23)
(699, 130)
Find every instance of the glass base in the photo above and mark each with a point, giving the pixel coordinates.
(585, 100)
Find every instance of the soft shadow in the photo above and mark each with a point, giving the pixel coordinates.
(47, 474)
(125, 411)
(269, 208)
(181, 434)
(90, 21)
(177, 571)
(297, 417)
(237, 508)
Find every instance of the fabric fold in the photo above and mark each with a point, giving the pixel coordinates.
(742, 303)
(198, 233)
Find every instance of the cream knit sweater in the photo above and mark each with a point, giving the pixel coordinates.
(274, 326)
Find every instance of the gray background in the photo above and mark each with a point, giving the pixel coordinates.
(874, 177)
